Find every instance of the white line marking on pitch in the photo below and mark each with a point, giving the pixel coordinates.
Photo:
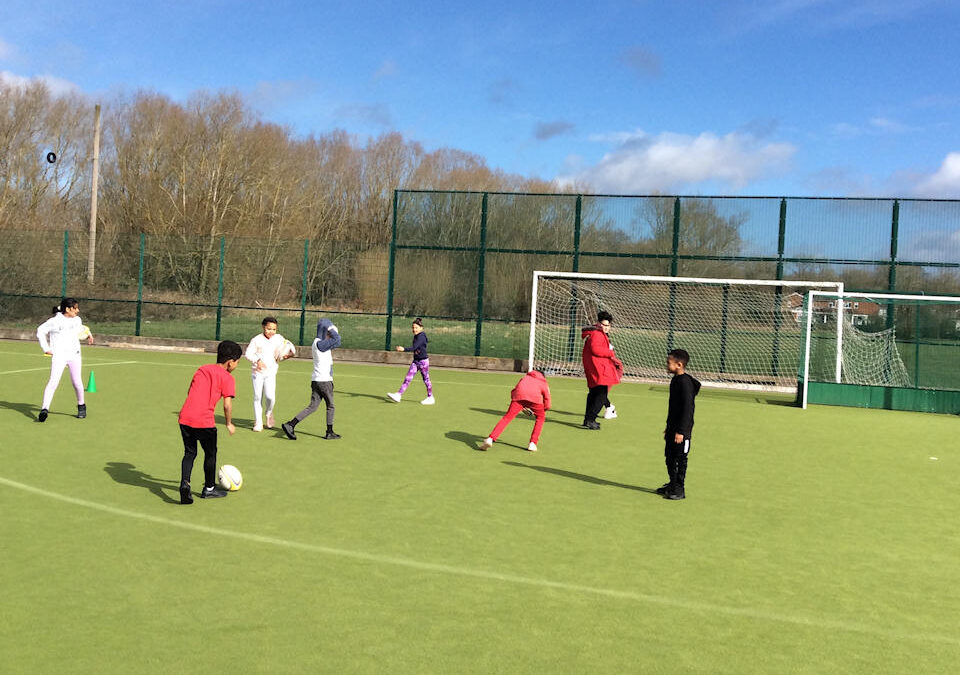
(813, 622)
(47, 367)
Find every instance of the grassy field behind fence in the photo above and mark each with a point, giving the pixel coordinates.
(818, 541)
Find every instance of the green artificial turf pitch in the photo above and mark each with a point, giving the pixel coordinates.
(818, 541)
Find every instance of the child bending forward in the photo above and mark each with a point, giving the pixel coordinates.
(531, 392)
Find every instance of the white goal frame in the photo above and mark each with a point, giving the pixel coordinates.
(841, 296)
(833, 286)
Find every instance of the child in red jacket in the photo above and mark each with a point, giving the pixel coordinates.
(533, 393)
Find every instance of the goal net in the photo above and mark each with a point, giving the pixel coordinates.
(882, 340)
(740, 333)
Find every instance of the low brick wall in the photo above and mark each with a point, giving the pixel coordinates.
(342, 355)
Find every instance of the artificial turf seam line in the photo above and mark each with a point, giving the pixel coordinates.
(811, 622)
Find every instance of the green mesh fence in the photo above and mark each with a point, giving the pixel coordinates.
(464, 261)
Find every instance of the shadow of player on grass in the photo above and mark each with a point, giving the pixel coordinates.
(472, 441)
(25, 409)
(357, 394)
(128, 474)
(580, 476)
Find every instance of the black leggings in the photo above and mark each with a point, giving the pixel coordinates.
(596, 398)
(208, 441)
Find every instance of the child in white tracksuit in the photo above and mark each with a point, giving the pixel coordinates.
(321, 384)
(59, 338)
(265, 351)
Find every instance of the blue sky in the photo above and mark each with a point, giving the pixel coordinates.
(780, 98)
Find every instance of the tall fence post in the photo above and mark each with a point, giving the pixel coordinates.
(577, 222)
(675, 249)
(140, 286)
(674, 270)
(894, 236)
(220, 286)
(391, 272)
(572, 309)
(778, 292)
(66, 257)
(303, 290)
(892, 274)
(481, 265)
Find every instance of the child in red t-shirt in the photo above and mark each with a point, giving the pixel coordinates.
(209, 384)
(533, 393)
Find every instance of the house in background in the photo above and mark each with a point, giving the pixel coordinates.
(859, 311)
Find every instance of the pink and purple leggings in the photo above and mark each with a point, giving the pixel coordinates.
(424, 368)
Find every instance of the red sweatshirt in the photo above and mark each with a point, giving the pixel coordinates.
(532, 387)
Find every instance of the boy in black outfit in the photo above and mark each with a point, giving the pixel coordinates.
(683, 391)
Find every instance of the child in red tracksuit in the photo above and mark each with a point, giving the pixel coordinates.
(533, 393)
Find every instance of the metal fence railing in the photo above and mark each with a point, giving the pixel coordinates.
(464, 260)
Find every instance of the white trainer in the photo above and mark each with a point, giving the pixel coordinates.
(611, 413)
(258, 427)
(487, 443)
(532, 447)
(270, 420)
(429, 400)
(394, 396)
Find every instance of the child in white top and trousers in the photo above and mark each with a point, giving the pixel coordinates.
(265, 351)
(59, 338)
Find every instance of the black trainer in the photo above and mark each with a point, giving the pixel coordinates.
(591, 425)
(185, 496)
(210, 493)
(81, 411)
(331, 435)
(42, 417)
(663, 489)
(288, 430)
(676, 493)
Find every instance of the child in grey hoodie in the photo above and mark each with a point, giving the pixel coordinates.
(321, 384)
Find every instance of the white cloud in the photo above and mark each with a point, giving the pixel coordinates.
(945, 182)
(503, 92)
(373, 114)
(7, 50)
(544, 131)
(387, 69)
(641, 60)
(886, 125)
(875, 126)
(668, 162)
(269, 94)
(57, 85)
(826, 15)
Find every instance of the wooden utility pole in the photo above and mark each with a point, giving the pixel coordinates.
(92, 253)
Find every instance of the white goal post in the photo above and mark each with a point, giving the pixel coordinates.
(740, 333)
(865, 334)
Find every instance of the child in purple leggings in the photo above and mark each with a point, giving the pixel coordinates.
(420, 363)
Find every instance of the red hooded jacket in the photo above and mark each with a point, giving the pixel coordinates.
(533, 388)
(600, 363)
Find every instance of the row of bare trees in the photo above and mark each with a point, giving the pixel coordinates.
(191, 175)
(194, 172)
